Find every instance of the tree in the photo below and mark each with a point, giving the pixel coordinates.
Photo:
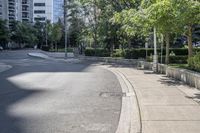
(188, 16)
(40, 32)
(4, 33)
(162, 15)
(56, 34)
(23, 34)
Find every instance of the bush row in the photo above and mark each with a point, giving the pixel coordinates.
(141, 53)
(98, 52)
(194, 62)
(180, 59)
(136, 53)
(180, 56)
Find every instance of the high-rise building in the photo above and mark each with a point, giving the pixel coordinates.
(58, 10)
(3, 9)
(19, 10)
(42, 10)
(26, 10)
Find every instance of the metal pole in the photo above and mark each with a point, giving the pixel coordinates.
(46, 34)
(155, 58)
(146, 47)
(65, 25)
(162, 45)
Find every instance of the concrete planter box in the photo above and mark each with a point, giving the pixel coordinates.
(162, 68)
(145, 65)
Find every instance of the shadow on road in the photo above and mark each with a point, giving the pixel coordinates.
(11, 94)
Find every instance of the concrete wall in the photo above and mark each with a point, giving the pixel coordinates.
(112, 60)
(189, 77)
(48, 8)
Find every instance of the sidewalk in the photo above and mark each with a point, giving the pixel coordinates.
(166, 106)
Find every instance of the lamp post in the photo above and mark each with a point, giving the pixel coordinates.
(65, 25)
(162, 45)
(46, 34)
(155, 57)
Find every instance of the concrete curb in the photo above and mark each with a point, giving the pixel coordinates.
(130, 118)
(4, 67)
(38, 55)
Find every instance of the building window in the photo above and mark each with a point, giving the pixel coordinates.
(39, 4)
(39, 11)
(39, 19)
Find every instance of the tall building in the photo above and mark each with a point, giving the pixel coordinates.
(3, 9)
(19, 10)
(58, 10)
(42, 10)
(26, 10)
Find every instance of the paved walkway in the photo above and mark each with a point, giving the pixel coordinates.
(166, 106)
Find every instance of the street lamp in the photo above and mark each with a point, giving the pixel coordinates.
(65, 25)
(155, 57)
(46, 34)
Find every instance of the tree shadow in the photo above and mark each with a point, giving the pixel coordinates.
(12, 94)
(195, 97)
(169, 81)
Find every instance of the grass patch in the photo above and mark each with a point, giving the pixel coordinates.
(183, 66)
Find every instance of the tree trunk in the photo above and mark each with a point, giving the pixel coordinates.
(167, 48)
(56, 47)
(189, 38)
(95, 26)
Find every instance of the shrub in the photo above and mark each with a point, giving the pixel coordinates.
(172, 59)
(118, 53)
(99, 52)
(45, 48)
(71, 50)
(177, 59)
(194, 62)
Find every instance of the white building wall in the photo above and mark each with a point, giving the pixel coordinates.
(48, 8)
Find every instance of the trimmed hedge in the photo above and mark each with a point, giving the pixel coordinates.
(172, 59)
(99, 52)
(194, 62)
(118, 53)
(180, 56)
(141, 53)
(45, 48)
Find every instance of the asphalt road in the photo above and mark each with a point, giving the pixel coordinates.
(49, 96)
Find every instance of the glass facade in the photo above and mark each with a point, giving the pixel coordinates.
(58, 10)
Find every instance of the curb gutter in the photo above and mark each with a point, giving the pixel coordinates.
(130, 117)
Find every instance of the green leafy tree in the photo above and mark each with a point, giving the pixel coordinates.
(56, 34)
(40, 32)
(23, 34)
(188, 16)
(4, 33)
(162, 15)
